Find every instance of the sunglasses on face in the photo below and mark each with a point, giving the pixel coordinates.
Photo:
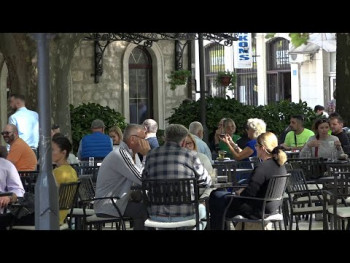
(5, 133)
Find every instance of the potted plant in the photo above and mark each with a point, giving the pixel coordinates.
(226, 79)
(178, 77)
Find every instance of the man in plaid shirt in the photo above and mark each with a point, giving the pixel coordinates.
(173, 160)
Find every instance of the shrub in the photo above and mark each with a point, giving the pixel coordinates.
(84, 114)
(276, 116)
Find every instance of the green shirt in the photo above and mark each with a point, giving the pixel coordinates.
(301, 138)
(224, 146)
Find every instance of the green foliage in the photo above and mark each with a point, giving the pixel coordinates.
(276, 116)
(83, 115)
(298, 39)
(227, 73)
(178, 77)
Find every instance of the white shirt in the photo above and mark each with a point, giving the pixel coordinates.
(27, 123)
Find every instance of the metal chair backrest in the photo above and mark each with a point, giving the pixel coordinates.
(67, 195)
(166, 192)
(297, 182)
(338, 167)
(28, 179)
(341, 184)
(275, 188)
(86, 189)
(228, 169)
(93, 170)
(313, 168)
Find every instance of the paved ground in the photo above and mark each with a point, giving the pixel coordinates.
(303, 225)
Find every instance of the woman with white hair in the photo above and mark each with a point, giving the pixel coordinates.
(254, 128)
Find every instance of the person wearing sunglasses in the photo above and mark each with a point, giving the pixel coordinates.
(20, 154)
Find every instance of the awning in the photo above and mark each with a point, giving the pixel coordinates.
(309, 48)
(326, 41)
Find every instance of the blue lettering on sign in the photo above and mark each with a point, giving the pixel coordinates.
(243, 38)
(243, 47)
(294, 72)
(243, 57)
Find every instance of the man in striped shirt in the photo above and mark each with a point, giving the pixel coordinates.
(119, 170)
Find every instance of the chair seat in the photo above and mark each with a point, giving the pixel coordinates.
(240, 218)
(158, 224)
(80, 212)
(341, 212)
(308, 210)
(97, 219)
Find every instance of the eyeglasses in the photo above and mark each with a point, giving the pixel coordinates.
(5, 133)
(137, 136)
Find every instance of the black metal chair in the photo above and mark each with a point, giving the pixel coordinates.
(275, 190)
(339, 194)
(313, 168)
(301, 200)
(28, 179)
(86, 199)
(172, 192)
(67, 196)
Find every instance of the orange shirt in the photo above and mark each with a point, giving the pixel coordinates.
(22, 156)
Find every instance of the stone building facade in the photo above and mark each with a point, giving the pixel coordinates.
(71, 75)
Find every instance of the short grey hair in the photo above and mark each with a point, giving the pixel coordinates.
(195, 127)
(175, 133)
(131, 129)
(258, 125)
(150, 125)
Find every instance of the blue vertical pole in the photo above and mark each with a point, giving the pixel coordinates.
(46, 193)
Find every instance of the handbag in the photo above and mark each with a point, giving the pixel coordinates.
(24, 206)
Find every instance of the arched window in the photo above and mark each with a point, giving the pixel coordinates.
(140, 85)
(214, 62)
(278, 70)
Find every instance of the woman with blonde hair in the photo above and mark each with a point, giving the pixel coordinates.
(273, 160)
(191, 145)
(254, 128)
(116, 135)
(229, 128)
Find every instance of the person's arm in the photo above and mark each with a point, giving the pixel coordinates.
(201, 172)
(14, 154)
(126, 167)
(256, 181)
(36, 130)
(14, 183)
(237, 153)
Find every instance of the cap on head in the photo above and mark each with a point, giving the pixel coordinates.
(97, 124)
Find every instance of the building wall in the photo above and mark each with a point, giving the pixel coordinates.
(113, 88)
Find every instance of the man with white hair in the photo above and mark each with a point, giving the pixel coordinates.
(119, 170)
(151, 128)
(196, 128)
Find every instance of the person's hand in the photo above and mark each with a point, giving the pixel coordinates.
(337, 144)
(225, 139)
(4, 201)
(315, 143)
(239, 191)
(144, 147)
